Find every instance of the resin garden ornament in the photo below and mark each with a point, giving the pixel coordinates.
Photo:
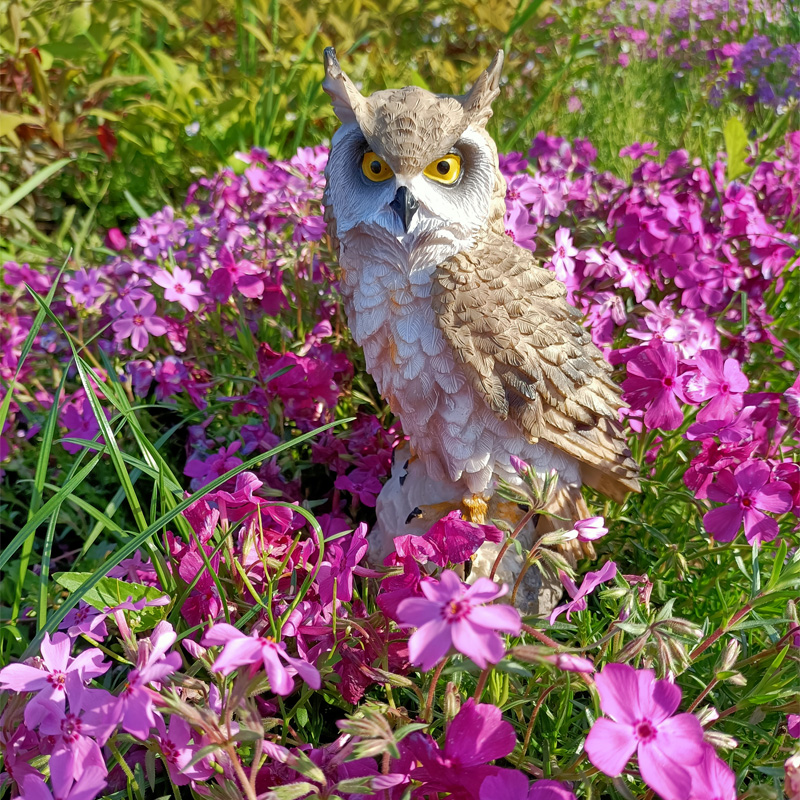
(474, 345)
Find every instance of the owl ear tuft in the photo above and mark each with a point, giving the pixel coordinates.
(347, 100)
(477, 102)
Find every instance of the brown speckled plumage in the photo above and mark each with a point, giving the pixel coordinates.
(526, 353)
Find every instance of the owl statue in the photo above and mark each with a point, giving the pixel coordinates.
(473, 345)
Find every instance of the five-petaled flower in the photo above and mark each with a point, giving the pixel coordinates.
(640, 720)
(453, 614)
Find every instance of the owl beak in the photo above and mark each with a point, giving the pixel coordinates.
(405, 205)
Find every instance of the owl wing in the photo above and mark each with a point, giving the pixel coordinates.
(525, 351)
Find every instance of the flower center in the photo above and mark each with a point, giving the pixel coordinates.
(511, 234)
(138, 320)
(455, 610)
(179, 288)
(645, 731)
(668, 382)
(562, 252)
(725, 388)
(70, 728)
(747, 502)
(169, 750)
(86, 288)
(57, 679)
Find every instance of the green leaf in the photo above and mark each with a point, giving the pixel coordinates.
(110, 592)
(32, 183)
(736, 147)
(290, 791)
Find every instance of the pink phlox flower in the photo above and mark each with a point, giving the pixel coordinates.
(394, 589)
(135, 569)
(49, 678)
(702, 284)
(519, 227)
(134, 708)
(514, 785)
(242, 501)
(177, 750)
(19, 747)
(640, 720)
(652, 385)
(338, 567)
(171, 377)
(712, 779)
(455, 539)
(72, 750)
(159, 233)
(590, 529)
(793, 720)
(138, 321)
(590, 583)
(85, 288)
(567, 662)
(240, 650)
(181, 287)
(453, 614)
(88, 787)
(78, 417)
(203, 471)
(232, 272)
(85, 620)
(721, 381)
(477, 735)
(563, 258)
(361, 484)
(747, 492)
(141, 373)
(639, 150)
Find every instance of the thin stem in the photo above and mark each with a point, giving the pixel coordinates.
(531, 721)
(520, 525)
(240, 773)
(427, 715)
(482, 682)
(720, 632)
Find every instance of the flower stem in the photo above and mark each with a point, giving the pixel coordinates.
(482, 682)
(427, 715)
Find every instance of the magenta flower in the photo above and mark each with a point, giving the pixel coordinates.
(519, 227)
(478, 734)
(590, 583)
(590, 529)
(563, 259)
(88, 787)
(215, 466)
(455, 539)
(510, 784)
(86, 620)
(243, 274)
(138, 322)
(180, 287)
(73, 751)
(177, 751)
(712, 779)
(639, 150)
(567, 662)
(338, 567)
(453, 614)
(240, 650)
(720, 381)
(792, 395)
(652, 383)
(747, 493)
(49, 679)
(639, 720)
(361, 484)
(134, 706)
(84, 288)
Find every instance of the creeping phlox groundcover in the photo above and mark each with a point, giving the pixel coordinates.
(252, 652)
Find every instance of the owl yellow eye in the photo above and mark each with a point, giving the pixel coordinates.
(375, 168)
(445, 169)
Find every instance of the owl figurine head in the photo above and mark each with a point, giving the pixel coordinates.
(409, 164)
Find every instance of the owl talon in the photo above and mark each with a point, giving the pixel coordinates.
(475, 509)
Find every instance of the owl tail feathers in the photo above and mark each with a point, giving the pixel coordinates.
(567, 501)
(615, 483)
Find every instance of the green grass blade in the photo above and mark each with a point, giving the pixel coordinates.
(40, 476)
(48, 508)
(130, 547)
(22, 191)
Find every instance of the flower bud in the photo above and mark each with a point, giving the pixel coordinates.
(590, 529)
(452, 701)
(792, 779)
(729, 655)
(557, 537)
